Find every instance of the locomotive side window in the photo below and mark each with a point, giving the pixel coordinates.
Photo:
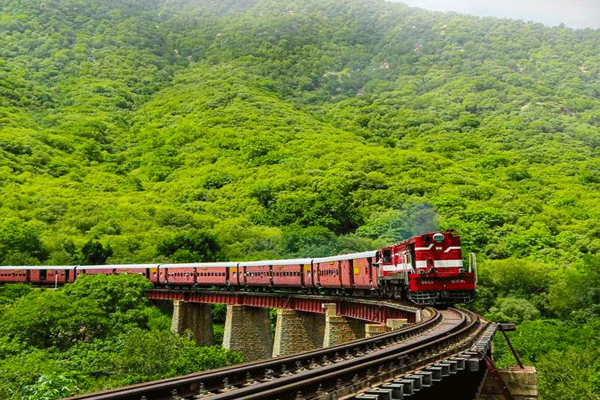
(43, 274)
(387, 256)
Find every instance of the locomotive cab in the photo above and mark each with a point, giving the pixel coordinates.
(439, 276)
(395, 263)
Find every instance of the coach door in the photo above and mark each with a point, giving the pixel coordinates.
(372, 272)
(307, 276)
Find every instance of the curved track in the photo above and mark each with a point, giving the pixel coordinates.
(321, 374)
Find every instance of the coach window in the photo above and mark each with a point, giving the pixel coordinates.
(43, 274)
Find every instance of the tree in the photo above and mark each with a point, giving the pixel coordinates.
(512, 309)
(93, 253)
(19, 241)
(142, 355)
(9, 293)
(122, 298)
(308, 242)
(191, 247)
(576, 290)
(47, 318)
(113, 293)
(563, 372)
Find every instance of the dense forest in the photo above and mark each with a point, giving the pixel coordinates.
(197, 130)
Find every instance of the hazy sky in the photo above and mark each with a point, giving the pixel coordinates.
(573, 13)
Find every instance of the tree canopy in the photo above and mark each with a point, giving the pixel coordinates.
(96, 333)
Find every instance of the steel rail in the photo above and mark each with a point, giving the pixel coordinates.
(238, 374)
(251, 379)
(387, 363)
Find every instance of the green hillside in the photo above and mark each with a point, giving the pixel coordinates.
(135, 121)
(284, 129)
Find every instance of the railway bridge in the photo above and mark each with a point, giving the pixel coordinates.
(330, 348)
(303, 322)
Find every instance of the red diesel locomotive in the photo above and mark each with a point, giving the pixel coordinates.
(425, 269)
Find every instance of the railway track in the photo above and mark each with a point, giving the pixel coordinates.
(330, 373)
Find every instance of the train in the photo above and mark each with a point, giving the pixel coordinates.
(426, 269)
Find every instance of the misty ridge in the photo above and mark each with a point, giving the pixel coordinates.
(577, 15)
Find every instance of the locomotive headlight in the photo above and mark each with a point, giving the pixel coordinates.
(438, 237)
(462, 270)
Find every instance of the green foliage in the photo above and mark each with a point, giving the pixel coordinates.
(157, 320)
(96, 333)
(158, 120)
(326, 203)
(190, 247)
(143, 355)
(11, 293)
(562, 352)
(49, 387)
(219, 312)
(512, 309)
(114, 294)
(20, 242)
(263, 129)
(52, 319)
(308, 242)
(93, 253)
(218, 333)
(562, 375)
(516, 276)
(576, 293)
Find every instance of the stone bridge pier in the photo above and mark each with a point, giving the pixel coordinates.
(248, 329)
(297, 331)
(197, 318)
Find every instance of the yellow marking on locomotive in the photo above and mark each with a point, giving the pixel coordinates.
(356, 271)
(153, 270)
(307, 267)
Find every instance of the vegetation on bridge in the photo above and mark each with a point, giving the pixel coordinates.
(149, 131)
